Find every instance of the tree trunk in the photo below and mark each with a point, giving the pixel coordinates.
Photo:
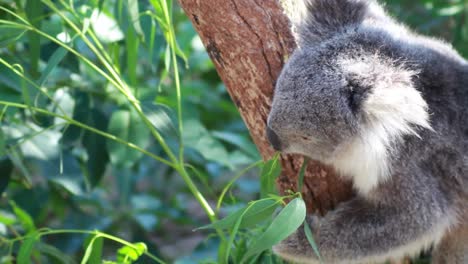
(249, 41)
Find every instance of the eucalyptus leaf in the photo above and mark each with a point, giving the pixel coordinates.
(10, 34)
(161, 117)
(270, 171)
(35, 142)
(34, 11)
(3, 144)
(53, 62)
(54, 253)
(282, 226)
(134, 13)
(240, 141)
(6, 168)
(199, 138)
(132, 44)
(7, 218)
(451, 10)
(26, 249)
(105, 27)
(9, 79)
(93, 252)
(24, 218)
(127, 125)
(311, 240)
(81, 113)
(132, 253)
(95, 145)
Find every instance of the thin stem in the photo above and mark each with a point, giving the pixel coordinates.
(194, 189)
(47, 232)
(31, 82)
(173, 44)
(14, 15)
(179, 98)
(228, 186)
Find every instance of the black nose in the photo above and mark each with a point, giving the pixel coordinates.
(273, 138)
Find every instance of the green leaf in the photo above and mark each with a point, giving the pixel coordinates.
(81, 113)
(100, 5)
(6, 168)
(96, 147)
(3, 144)
(180, 53)
(26, 249)
(35, 142)
(232, 237)
(239, 141)
(10, 34)
(311, 240)
(19, 163)
(25, 91)
(451, 10)
(287, 221)
(24, 218)
(270, 171)
(199, 138)
(252, 214)
(167, 58)
(129, 254)
(53, 62)
(134, 14)
(160, 117)
(54, 253)
(34, 12)
(93, 253)
(165, 21)
(132, 44)
(159, 14)
(10, 79)
(127, 125)
(6, 218)
(106, 28)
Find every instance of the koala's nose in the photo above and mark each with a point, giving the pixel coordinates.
(273, 138)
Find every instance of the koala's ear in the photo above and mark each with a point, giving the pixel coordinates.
(316, 20)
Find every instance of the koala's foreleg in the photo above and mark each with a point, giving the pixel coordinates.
(361, 231)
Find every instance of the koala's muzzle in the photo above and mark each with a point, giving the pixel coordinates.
(273, 138)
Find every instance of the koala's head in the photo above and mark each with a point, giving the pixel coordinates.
(340, 100)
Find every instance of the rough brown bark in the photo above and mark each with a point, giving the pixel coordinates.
(249, 41)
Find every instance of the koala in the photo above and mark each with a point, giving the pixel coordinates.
(387, 108)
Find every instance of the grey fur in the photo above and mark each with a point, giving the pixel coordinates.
(350, 52)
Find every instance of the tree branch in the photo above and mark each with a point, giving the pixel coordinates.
(249, 41)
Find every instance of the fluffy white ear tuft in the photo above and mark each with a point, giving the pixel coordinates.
(392, 109)
(395, 107)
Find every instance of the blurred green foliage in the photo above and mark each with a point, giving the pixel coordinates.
(109, 124)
